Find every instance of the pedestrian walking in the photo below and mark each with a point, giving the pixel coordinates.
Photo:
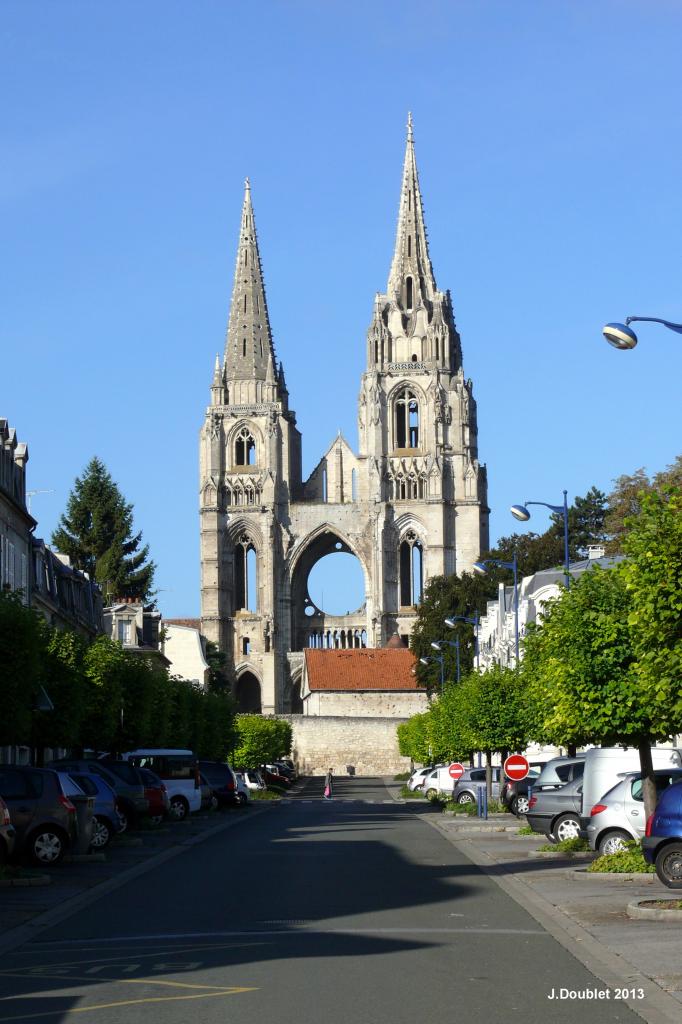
(328, 786)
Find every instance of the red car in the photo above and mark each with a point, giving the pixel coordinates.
(156, 793)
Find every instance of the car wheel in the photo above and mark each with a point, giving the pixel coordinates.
(519, 806)
(179, 808)
(47, 845)
(613, 842)
(101, 833)
(566, 827)
(125, 817)
(241, 799)
(465, 798)
(431, 794)
(215, 803)
(669, 865)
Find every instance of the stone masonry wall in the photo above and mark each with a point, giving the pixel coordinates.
(369, 744)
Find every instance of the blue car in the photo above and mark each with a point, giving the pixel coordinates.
(106, 822)
(662, 843)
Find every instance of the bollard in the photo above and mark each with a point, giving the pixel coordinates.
(484, 801)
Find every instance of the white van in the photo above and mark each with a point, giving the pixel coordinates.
(179, 770)
(603, 765)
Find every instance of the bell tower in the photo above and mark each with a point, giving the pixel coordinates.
(417, 423)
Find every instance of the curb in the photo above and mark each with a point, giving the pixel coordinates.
(562, 854)
(638, 912)
(609, 967)
(8, 883)
(642, 877)
(26, 932)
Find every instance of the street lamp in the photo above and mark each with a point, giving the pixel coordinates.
(451, 643)
(481, 569)
(426, 661)
(521, 513)
(452, 621)
(622, 336)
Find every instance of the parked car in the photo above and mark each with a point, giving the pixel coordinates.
(222, 783)
(8, 833)
(618, 817)
(179, 770)
(556, 812)
(548, 775)
(44, 818)
(131, 803)
(465, 789)
(662, 842)
(416, 779)
(243, 791)
(284, 769)
(253, 779)
(156, 794)
(605, 765)
(85, 811)
(273, 777)
(290, 765)
(106, 822)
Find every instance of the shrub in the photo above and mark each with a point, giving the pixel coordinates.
(566, 846)
(623, 862)
(402, 777)
(408, 794)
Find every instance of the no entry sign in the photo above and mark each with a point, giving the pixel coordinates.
(456, 770)
(516, 767)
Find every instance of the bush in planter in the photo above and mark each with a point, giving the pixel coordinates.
(623, 862)
(576, 845)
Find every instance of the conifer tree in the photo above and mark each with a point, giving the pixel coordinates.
(96, 532)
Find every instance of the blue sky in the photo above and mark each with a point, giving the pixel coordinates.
(548, 141)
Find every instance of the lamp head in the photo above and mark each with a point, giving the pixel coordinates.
(424, 661)
(435, 646)
(520, 512)
(620, 336)
(450, 623)
(480, 568)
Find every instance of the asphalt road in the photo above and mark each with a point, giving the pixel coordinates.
(350, 910)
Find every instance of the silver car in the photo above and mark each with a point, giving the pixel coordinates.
(619, 816)
(466, 788)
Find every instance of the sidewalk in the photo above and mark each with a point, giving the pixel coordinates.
(586, 914)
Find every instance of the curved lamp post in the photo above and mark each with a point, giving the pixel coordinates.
(521, 513)
(482, 570)
(451, 623)
(426, 661)
(451, 643)
(622, 336)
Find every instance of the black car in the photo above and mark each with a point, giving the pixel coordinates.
(44, 817)
(124, 779)
(222, 783)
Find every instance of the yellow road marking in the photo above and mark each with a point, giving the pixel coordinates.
(114, 960)
(128, 1002)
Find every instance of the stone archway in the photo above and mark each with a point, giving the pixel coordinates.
(311, 626)
(248, 694)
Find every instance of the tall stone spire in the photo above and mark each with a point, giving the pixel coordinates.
(248, 344)
(411, 279)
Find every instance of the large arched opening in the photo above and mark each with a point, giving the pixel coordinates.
(328, 595)
(248, 694)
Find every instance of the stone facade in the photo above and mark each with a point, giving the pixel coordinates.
(409, 505)
(16, 524)
(369, 745)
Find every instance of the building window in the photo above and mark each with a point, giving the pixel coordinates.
(245, 575)
(406, 420)
(123, 632)
(411, 570)
(245, 448)
(246, 645)
(408, 292)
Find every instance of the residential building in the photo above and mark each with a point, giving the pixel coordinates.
(16, 523)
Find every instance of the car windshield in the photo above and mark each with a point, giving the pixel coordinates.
(124, 771)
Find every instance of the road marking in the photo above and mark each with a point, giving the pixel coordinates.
(127, 1002)
(113, 961)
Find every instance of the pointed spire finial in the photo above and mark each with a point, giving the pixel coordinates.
(409, 126)
(247, 184)
(411, 279)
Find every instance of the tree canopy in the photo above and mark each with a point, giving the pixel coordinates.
(96, 532)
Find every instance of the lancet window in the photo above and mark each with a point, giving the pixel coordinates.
(245, 448)
(245, 574)
(411, 570)
(406, 419)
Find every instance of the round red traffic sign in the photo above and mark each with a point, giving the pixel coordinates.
(516, 767)
(456, 770)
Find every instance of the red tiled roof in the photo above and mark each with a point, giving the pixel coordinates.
(361, 669)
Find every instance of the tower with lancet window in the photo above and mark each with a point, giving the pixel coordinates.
(411, 503)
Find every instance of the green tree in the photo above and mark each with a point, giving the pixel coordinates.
(96, 532)
(652, 575)
(260, 740)
(219, 678)
(65, 683)
(625, 500)
(105, 664)
(444, 597)
(21, 640)
(413, 738)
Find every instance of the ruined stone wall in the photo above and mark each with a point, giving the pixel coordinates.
(369, 744)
